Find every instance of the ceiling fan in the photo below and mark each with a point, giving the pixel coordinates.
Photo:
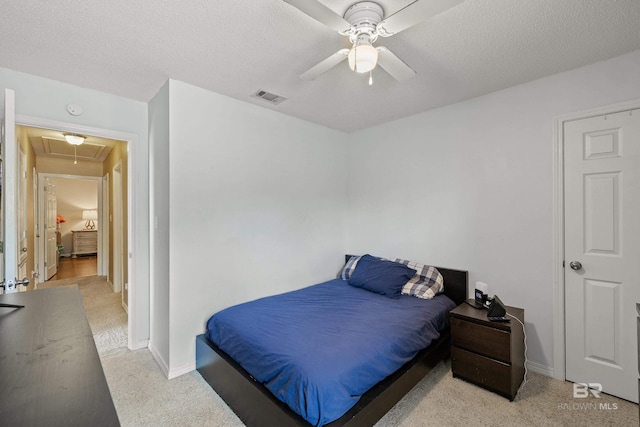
(363, 23)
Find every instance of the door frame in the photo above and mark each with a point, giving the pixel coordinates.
(103, 268)
(41, 213)
(134, 342)
(117, 244)
(559, 332)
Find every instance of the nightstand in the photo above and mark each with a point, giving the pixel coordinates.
(488, 354)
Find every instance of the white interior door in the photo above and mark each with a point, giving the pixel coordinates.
(9, 195)
(602, 251)
(36, 230)
(50, 225)
(23, 246)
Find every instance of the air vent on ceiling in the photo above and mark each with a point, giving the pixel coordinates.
(269, 97)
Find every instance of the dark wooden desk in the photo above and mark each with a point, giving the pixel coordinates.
(50, 372)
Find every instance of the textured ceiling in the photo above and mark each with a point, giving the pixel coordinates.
(130, 48)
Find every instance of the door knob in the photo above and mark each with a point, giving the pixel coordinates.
(24, 282)
(575, 265)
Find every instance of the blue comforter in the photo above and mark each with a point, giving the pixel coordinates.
(318, 349)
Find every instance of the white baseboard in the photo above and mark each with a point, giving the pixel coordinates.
(181, 370)
(139, 344)
(173, 372)
(539, 369)
(126, 309)
(110, 285)
(159, 360)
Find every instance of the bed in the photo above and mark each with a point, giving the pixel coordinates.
(250, 397)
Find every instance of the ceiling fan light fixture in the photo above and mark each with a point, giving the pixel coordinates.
(74, 138)
(363, 58)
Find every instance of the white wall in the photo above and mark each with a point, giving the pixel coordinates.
(257, 207)
(470, 186)
(43, 102)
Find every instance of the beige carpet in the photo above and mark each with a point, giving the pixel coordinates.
(144, 397)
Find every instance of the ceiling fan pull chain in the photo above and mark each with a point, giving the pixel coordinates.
(371, 78)
(355, 55)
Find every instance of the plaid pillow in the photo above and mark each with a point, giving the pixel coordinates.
(348, 268)
(425, 284)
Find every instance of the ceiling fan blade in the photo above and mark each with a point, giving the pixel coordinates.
(322, 14)
(324, 66)
(414, 13)
(394, 65)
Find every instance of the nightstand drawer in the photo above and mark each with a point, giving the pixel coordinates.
(491, 342)
(481, 370)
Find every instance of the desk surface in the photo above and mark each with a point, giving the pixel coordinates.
(50, 371)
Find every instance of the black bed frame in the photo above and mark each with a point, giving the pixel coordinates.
(256, 406)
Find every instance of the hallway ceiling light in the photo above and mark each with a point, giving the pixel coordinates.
(74, 138)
